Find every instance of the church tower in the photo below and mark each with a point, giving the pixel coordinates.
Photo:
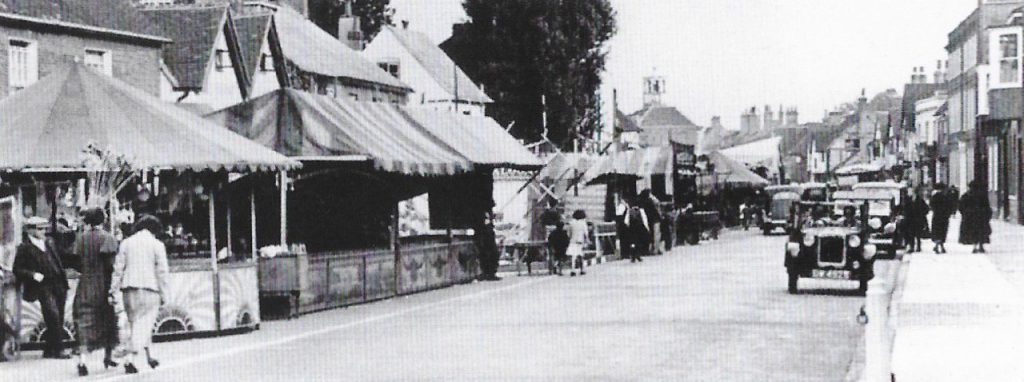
(654, 88)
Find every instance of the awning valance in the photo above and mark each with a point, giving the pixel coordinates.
(46, 126)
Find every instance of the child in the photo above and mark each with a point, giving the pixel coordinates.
(577, 240)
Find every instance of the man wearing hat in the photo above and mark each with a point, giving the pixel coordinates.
(38, 267)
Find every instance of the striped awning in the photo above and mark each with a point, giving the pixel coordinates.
(632, 164)
(46, 126)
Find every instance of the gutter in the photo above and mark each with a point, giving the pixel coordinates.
(82, 27)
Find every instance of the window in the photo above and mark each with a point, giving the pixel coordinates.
(1009, 58)
(355, 97)
(23, 67)
(222, 60)
(390, 67)
(266, 63)
(99, 60)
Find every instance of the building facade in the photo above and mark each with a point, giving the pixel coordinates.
(39, 37)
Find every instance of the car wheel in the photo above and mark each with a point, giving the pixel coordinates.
(793, 279)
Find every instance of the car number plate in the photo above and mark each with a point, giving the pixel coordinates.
(830, 274)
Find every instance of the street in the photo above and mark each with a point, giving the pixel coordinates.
(716, 312)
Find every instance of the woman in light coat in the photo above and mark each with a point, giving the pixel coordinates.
(578, 234)
(140, 277)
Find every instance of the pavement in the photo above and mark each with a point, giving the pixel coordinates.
(960, 315)
(714, 312)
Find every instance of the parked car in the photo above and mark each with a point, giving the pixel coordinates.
(777, 214)
(885, 200)
(825, 245)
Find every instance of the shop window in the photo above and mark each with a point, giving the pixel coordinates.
(100, 60)
(23, 63)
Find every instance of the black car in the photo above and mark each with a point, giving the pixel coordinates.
(829, 240)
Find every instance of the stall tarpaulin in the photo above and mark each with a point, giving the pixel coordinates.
(730, 172)
(480, 139)
(631, 164)
(47, 125)
(301, 124)
(764, 152)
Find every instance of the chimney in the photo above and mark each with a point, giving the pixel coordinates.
(716, 121)
(940, 76)
(405, 24)
(349, 31)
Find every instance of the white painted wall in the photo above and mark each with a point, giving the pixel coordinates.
(426, 91)
(264, 82)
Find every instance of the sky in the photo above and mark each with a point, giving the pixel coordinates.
(721, 57)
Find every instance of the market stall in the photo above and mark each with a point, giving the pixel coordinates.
(361, 160)
(75, 128)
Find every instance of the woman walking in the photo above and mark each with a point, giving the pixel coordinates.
(93, 314)
(578, 234)
(942, 208)
(976, 211)
(916, 215)
(140, 275)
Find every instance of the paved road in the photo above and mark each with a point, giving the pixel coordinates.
(716, 312)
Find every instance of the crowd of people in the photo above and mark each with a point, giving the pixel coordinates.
(121, 287)
(944, 202)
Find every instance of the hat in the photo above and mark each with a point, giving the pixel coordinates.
(36, 221)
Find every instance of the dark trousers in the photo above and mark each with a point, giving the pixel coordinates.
(51, 302)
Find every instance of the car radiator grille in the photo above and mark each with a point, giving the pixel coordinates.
(832, 249)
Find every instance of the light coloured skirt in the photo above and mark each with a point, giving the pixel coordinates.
(574, 250)
(141, 306)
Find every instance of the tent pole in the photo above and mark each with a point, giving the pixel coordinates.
(213, 258)
(283, 188)
(252, 221)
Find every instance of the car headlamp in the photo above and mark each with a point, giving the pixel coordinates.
(853, 241)
(875, 223)
(808, 240)
(890, 228)
(869, 251)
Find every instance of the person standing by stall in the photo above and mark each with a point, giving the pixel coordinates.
(976, 210)
(650, 205)
(916, 215)
(639, 230)
(578, 235)
(487, 245)
(95, 250)
(140, 275)
(622, 231)
(558, 241)
(40, 269)
(942, 208)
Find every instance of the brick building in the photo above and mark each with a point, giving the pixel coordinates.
(41, 35)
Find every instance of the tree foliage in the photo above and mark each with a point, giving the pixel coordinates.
(521, 50)
(373, 15)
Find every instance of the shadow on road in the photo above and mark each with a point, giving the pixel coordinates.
(830, 292)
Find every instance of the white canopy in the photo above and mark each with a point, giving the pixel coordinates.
(764, 152)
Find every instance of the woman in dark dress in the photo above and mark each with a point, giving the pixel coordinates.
(93, 314)
(975, 228)
(941, 210)
(916, 215)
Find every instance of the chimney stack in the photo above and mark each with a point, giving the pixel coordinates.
(940, 75)
(405, 24)
(349, 31)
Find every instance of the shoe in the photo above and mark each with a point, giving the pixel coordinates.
(57, 356)
(572, 274)
(640, 259)
(130, 369)
(109, 363)
(582, 273)
(82, 370)
(981, 250)
(632, 260)
(153, 363)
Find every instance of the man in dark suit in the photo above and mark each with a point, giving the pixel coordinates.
(38, 267)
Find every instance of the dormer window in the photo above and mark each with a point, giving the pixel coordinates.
(266, 63)
(22, 64)
(390, 67)
(99, 60)
(222, 60)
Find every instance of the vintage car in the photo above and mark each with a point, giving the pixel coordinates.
(823, 244)
(885, 200)
(778, 212)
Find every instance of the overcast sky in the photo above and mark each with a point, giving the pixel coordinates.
(722, 56)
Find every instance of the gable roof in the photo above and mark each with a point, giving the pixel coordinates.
(252, 33)
(438, 65)
(109, 17)
(194, 31)
(313, 50)
(625, 124)
(659, 115)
